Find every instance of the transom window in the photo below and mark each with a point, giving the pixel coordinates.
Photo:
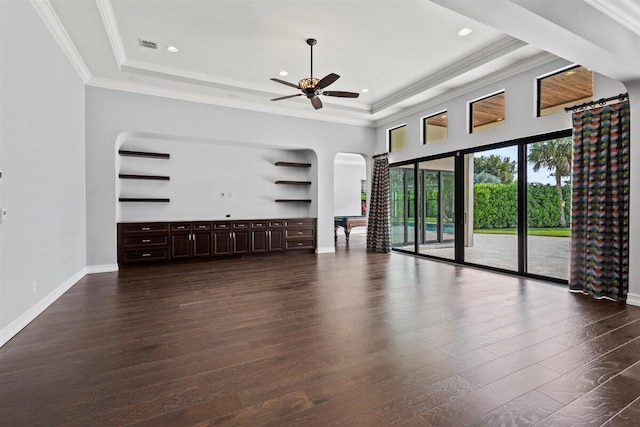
(434, 128)
(564, 88)
(398, 138)
(487, 113)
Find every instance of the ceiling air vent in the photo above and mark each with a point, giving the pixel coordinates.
(146, 43)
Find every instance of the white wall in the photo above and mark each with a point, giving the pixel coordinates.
(42, 244)
(350, 170)
(113, 115)
(209, 180)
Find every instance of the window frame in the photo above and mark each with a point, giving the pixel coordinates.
(425, 126)
(538, 88)
(491, 95)
(404, 125)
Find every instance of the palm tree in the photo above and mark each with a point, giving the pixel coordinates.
(555, 155)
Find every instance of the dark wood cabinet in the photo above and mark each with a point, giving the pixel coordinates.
(241, 236)
(143, 242)
(267, 236)
(201, 240)
(156, 241)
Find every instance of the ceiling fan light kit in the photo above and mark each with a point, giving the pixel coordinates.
(312, 87)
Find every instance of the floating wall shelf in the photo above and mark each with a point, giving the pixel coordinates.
(142, 199)
(143, 154)
(150, 177)
(294, 182)
(294, 164)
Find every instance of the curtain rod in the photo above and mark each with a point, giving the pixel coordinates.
(380, 155)
(600, 102)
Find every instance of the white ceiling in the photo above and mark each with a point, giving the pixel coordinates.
(404, 52)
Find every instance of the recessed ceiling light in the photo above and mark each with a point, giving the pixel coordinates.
(444, 116)
(172, 49)
(283, 73)
(464, 32)
(365, 90)
(570, 72)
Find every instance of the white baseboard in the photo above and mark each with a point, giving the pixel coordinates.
(328, 250)
(105, 268)
(633, 299)
(16, 326)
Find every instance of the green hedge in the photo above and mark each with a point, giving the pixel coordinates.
(495, 205)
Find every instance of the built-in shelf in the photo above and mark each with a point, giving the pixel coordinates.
(143, 154)
(142, 199)
(294, 182)
(293, 200)
(294, 164)
(150, 177)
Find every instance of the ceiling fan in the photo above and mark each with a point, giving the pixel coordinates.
(312, 87)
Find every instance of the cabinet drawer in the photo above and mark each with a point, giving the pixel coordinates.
(145, 228)
(221, 226)
(151, 240)
(299, 232)
(146, 255)
(299, 244)
(181, 226)
(240, 225)
(276, 224)
(300, 223)
(260, 224)
(201, 226)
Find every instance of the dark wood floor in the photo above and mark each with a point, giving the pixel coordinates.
(349, 338)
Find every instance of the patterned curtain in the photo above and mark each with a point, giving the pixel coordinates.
(378, 229)
(600, 202)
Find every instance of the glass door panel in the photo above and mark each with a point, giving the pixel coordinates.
(549, 165)
(491, 208)
(436, 208)
(402, 192)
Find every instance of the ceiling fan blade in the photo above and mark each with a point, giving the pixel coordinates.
(317, 104)
(286, 97)
(326, 81)
(286, 83)
(341, 94)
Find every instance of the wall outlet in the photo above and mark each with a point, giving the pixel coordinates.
(228, 216)
(4, 215)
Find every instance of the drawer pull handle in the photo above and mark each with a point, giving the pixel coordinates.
(258, 225)
(146, 254)
(146, 228)
(146, 240)
(300, 223)
(202, 226)
(299, 232)
(182, 227)
(299, 244)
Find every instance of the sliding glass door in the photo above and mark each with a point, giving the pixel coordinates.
(436, 208)
(402, 192)
(505, 207)
(549, 167)
(491, 231)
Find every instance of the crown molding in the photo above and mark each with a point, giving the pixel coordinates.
(222, 102)
(52, 22)
(495, 77)
(625, 12)
(488, 53)
(111, 27)
(201, 79)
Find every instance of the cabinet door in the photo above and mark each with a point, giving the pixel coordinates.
(241, 243)
(259, 241)
(276, 240)
(202, 244)
(180, 245)
(222, 243)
